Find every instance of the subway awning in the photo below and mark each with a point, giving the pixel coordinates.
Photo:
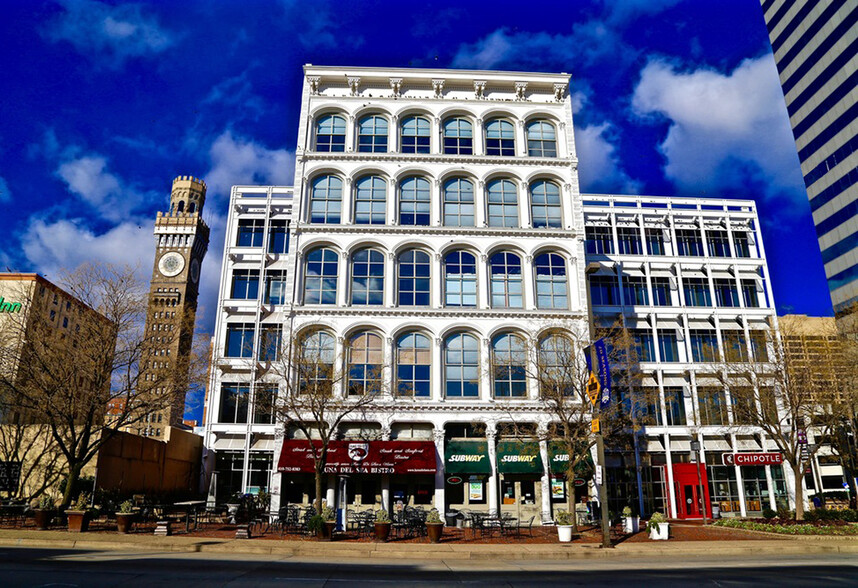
(467, 457)
(558, 461)
(519, 457)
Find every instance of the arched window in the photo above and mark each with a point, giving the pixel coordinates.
(413, 365)
(372, 134)
(458, 136)
(331, 133)
(316, 363)
(506, 280)
(461, 366)
(508, 366)
(326, 200)
(556, 366)
(365, 358)
(414, 202)
(551, 288)
(500, 137)
(368, 277)
(545, 204)
(458, 203)
(192, 207)
(460, 279)
(370, 200)
(503, 204)
(320, 277)
(414, 271)
(541, 139)
(181, 207)
(415, 135)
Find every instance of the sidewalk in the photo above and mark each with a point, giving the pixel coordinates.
(311, 549)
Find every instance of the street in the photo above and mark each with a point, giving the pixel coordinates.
(46, 567)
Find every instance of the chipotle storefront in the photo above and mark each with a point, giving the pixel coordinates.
(369, 474)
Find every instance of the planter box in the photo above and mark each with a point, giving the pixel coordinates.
(42, 518)
(662, 533)
(326, 531)
(382, 531)
(564, 533)
(434, 531)
(78, 520)
(631, 524)
(124, 521)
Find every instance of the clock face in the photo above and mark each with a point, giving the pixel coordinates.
(171, 264)
(195, 270)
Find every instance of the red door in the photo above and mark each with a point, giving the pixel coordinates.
(690, 497)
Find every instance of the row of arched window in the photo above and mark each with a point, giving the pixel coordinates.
(412, 363)
(415, 135)
(414, 278)
(415, 202)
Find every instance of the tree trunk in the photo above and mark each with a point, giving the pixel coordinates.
(799, 492)
(318, 502)
(71, 482)
(570, 488)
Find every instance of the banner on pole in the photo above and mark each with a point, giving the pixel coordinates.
(604, 371)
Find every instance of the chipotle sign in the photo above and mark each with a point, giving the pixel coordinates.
(360, 457)
(747, 459)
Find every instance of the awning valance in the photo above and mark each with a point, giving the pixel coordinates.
(519, 457)
(467, 457)
(360, 457)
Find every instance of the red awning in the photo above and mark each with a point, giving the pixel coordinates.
(361, 457)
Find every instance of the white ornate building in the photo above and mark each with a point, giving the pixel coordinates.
(436, 221)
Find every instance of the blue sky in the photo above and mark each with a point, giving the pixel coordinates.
(103, 103)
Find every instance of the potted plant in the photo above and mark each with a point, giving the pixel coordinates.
(434, 526)
(44, 512)
(125, 516)
(79, 515)
(382, 525)
(631, 523)
(564, 525)
(329, 517)
(658, 527)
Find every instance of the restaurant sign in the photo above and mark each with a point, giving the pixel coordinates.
(517, 457)
(360, 457)
(9, 307)
(748, 459)
(467, 457)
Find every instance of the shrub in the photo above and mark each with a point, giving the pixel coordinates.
(433, 517)
(126, 507)
(328, 513)
(769, 513)
(627, 511)
(382, 516)
(316, 523)
(45, 503)
(563, 517)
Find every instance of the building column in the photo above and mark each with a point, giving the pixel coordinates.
(343, 280)
(491, 436)
(438, 370)
(390, 280)
(385, 492)
(440, 499)
(671, 489)
(740, 483)
(524, 214)
(529, 278)
(437, 281)
(483, 285)
(346, 203)
(331, 491)
(542, 433)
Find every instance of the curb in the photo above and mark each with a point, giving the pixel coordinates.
(375, 551)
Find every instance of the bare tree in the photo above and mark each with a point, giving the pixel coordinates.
(65, 375)
(788, 388)
(320, 389)
(558, 365)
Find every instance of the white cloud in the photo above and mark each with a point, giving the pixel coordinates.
(109, 34)
(238, 160)
(5, 193)
(88, 177)
(54, 247)
(722, 126)
(598, 165)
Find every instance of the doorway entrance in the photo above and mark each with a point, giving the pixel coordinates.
(691, 498)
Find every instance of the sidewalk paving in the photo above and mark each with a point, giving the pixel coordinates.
(310, 549)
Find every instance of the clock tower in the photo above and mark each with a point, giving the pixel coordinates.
(181, 242)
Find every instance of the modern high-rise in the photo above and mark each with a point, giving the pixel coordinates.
(436, 232)
(815, 46)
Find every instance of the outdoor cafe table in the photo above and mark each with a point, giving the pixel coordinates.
(188, 507)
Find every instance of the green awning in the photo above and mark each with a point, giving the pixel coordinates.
(467, 457)
(558, 461)
(519, 457)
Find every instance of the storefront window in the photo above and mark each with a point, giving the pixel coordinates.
(229, 466)
(756, 487)
(723, 488)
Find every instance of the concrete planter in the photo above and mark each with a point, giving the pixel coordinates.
(326, 531)
(382, 531)
(124, 521)
(661, 532)
(434, 531)
(564, 533)
(78, 520)
(631, 524)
